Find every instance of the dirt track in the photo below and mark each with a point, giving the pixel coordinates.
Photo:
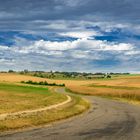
(108, 120)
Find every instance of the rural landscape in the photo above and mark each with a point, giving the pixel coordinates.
(69, 70)
(30, 102)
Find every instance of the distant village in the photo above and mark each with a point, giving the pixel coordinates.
(67, 75)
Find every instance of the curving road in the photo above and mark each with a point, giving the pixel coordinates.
(107, 120)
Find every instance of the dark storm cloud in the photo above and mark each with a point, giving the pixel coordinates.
(18, 12)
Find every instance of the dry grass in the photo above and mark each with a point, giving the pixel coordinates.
(77, 106)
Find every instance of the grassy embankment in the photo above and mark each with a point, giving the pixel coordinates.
(14, 98)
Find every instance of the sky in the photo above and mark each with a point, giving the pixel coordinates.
(70, 35)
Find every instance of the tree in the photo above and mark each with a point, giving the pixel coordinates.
(108, 76)
(25, 71)
(10, 71)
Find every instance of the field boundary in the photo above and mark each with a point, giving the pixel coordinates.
(33, 112)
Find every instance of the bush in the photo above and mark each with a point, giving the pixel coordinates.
(45, 83)
(108, 76)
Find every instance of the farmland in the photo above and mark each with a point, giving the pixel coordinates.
(17, 96)
(124, 86)
(121, 87)
(23, 105)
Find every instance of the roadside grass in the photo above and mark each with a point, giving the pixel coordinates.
(75, 107)
(14, 98)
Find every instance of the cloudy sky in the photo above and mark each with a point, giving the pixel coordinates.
(70, 35)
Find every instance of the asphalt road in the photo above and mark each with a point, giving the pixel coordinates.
(106, 120)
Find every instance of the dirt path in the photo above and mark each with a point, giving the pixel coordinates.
(107, 120)
(31, 112)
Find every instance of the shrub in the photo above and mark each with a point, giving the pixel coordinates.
(45, 83)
